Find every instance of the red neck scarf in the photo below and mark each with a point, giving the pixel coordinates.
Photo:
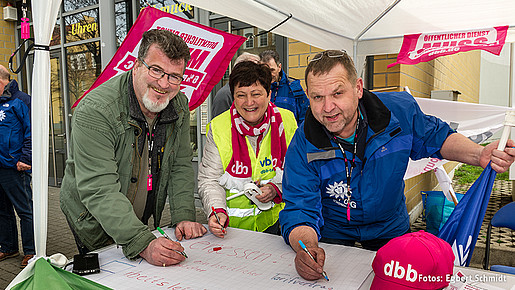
(240, 165)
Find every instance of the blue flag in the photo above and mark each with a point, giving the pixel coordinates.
(462, 228)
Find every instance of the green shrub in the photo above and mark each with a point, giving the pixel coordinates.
(468, 174)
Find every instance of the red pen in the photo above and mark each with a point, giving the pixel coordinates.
(218, 219)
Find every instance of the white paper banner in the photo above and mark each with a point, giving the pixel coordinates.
(477, 122)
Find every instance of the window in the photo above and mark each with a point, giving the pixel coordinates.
(82, 26)
(78, 61)
(263, 38)
(55, 39)
(122, 14)
(248, 32)
(83, 68)
(92, 60)
(70, 5)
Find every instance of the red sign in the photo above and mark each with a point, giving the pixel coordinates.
(211, 52)
(424, 47)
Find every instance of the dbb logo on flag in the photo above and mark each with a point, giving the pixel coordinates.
(424, 47)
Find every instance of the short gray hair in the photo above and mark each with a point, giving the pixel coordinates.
(246, 56)
(267, 55)
(172, 45)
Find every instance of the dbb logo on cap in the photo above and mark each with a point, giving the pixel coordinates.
(399, 272)
(413, 261)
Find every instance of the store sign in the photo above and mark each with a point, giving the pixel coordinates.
(424, 47)
(176, 8)
(79, 29)
(211, 51)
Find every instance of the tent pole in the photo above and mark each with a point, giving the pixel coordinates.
(377, 19)
(512, 105)
(267, 5)
(512, 76)
(355, 52)
(369, 26)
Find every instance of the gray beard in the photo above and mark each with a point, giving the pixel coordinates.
(154, 107)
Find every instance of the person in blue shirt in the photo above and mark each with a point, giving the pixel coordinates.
(15, 165)
(286, 92)
(343, 175)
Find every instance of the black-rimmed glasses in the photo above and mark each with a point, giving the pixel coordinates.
(158, 73)
(329, 53)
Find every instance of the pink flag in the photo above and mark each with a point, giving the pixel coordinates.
(424, 47)
(211, 51)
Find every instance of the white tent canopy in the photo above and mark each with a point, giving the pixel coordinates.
(365, 27)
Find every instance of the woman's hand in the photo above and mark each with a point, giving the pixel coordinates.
(215, 228)
(268, 193)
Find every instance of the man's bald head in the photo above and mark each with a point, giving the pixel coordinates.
(4, 73)
(5, 77)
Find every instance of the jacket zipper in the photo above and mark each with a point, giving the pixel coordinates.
(135, 154)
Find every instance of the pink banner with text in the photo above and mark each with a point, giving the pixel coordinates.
(211, 52)
(424, 47)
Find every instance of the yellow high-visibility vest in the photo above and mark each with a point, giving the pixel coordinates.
(242, 212)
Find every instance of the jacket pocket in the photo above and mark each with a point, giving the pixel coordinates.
(6, 158)
(90, 231)
(285, 103)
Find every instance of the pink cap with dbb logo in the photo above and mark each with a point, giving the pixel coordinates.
(417, 260)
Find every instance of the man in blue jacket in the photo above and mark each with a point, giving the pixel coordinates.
(286, 92)
(343, 175)
(15, 161)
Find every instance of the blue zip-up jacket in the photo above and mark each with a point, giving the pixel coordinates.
(314, 178)
(15, 138)
(14, 89)
(289, 94)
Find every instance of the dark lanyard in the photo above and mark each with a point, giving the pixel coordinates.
(150, 147)
(349, 166)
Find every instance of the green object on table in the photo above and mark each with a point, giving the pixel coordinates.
(43, 275)
(166, 236)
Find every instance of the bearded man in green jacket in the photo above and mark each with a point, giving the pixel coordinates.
(130, 151)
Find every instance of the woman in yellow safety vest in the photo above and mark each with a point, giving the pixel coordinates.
(244, 151)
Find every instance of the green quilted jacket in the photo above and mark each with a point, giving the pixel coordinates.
(99, 181)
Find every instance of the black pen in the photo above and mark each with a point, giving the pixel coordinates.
(166, 236)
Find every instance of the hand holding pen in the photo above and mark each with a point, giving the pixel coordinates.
(163, 252)
(166, 236)
(319, 268)
(216, 225)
